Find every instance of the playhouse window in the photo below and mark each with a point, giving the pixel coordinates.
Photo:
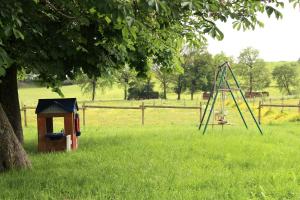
(55, 125)
(58, 124)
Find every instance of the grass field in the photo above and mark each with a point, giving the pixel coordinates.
(168, 158)
(171, 162)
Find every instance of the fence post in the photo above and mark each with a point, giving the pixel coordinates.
(83, 113)
(282, 103)
(25, 115)
(200, 110)
(259, 112)
(299, 107)
(143, 112)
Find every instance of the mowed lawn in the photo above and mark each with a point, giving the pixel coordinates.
(164, 162)
(168, 158)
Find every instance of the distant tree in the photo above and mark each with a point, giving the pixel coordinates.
(199, 72)
(180, 84)
(124, 77)
(164, 76)
(89, 85)
(221, 58)
(252, 70)
(286, 77)
(142, 89)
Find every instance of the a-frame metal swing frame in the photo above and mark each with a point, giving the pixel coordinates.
(219, 80)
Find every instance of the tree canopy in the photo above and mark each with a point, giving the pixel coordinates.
(287, 77)
(252, 69)
(56, 38)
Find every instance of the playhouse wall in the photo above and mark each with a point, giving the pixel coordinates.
(45, 124)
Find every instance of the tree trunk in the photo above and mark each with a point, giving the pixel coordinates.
(94, 89)
(12, 154)
(9, 98)
(178, 95)
(192, 95)
(165, 89)
(251, 83)
(288, 89)
(125, 92)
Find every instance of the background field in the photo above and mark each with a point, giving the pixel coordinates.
(167, 158)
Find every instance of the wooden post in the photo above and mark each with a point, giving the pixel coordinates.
(143, 112)
(200, 110)
(282, 104)
(25, 115)
(259, 112)
(83, 114)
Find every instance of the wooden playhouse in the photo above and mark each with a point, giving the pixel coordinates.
(67, 138)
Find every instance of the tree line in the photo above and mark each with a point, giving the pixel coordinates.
(196, 72)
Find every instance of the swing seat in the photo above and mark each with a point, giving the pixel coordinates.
(222, 122)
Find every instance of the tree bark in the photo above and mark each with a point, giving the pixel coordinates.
(165, 89)
(178, 95)
(125, 92)
(94, 89)
(9, 98)
(12, 154)
(251, 83)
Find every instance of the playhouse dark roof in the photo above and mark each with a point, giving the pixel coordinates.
(67, 104)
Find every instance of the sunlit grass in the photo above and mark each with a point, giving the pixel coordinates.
(167, 158)
(171, 162)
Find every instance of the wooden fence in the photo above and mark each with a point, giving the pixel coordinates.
(282, 106)
(142, 107)
(262, 103)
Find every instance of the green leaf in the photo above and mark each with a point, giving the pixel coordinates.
(81, 48)
(107, 19)
(92, 10)
(278, 14)
(18, 34)
(269, 10)
(125, 33)
(2, 71)
(7, 31)
(220, 34)
(6, 61)
(188, 4)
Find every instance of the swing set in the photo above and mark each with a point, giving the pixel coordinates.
(221, 85)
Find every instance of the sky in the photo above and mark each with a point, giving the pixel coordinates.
(278, 40)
